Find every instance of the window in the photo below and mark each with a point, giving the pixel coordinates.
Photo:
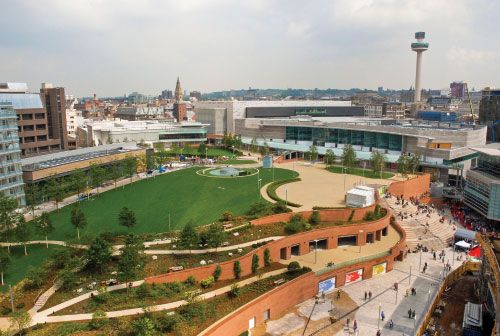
(267, 315)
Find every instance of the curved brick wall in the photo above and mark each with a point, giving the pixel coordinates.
(414, 187)
(296, 291)
(302, 239)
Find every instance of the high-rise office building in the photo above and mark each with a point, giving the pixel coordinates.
(54, 100)
(32, 122)
(489, 112)
(11, 174)
(458, 90)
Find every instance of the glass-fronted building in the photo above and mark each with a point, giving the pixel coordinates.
(11, 174)
(482, 190)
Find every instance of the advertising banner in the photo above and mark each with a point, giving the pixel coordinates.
(354, 276)
(380, 268)
(326, 286)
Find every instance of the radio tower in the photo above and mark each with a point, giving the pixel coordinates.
(420, 46)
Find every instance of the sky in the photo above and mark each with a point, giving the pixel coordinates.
(114, 47)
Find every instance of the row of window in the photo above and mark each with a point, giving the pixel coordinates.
(343, 136)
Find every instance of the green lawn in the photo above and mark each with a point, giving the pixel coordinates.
(359, 171)
(19, 263)
(182, 194)
(235, 162)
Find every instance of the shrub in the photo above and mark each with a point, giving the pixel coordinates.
(351, 216)
(296, 224)
(237, 269)
(227, 216)
(293, 266)
(267, 257)
(144, 326)
(280, 207)
(378, 209)
(172, 287)
(98, 320)
(255, 263)
(235, 291)
(191, 280)
(217, 272)
(306, 269)
(315, 218)
(166, 323)
(208, 282)
(271, 191)
(35, 277)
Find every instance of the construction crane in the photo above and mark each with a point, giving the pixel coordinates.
(472, 115)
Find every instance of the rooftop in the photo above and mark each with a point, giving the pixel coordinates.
(492, 149)
(22, 100)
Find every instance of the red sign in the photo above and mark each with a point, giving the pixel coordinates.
(354, 276)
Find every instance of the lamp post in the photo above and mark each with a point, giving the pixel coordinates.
(315, 250)
(286, 197)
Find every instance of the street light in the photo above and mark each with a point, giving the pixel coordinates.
(286, 197)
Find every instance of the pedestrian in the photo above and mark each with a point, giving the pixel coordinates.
(382, 315)
(338, 294)
(395, 286)
(378, 333)
(434, 255)
(366, 294)
(348, 322)
(413, 314)
(407, 292)
(409, 313)
(355, 325)
(370, 295)
(391, 324)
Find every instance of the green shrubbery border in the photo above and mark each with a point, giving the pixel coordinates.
(271, 191)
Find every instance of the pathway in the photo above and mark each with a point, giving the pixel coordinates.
(43, 316)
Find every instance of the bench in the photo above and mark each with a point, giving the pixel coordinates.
(175, 268)
(279, 282)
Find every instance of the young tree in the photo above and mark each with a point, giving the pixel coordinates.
(217, 272)
(22, 231)
(253, 145)
(79, 181)
(189, 237)
(21, 320)
(202, 149)
(4, 263)
(314, 218)
(403, 165)
(312, 154)
(44, 225)
(215, 235)
(186, 149)
(130, 166)
(115, 173)
(8, 205)
(348, 156)
(267, 257)
(264, 149)
(255, 263)
(127, 218)
(98, 254)
(78, 219)
(131, 263)
(56, 191)
(237, 269)
(414, 162)
(377, 160)
(96, 174)
(33, 194)
(329, 157)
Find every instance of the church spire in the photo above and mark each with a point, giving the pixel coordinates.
(178, 91)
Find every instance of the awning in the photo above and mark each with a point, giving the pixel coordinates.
(463, 244)
(464, 233)
(475, 252)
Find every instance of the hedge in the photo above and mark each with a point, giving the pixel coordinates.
(271, 191)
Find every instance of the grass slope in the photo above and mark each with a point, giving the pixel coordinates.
(183, 194)
(19, 263)
(359, 172)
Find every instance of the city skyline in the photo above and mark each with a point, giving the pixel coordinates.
(115, 48)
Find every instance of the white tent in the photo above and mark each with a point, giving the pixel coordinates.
(360, 196)
(463, 244)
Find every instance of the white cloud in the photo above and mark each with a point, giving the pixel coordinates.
(298, 29)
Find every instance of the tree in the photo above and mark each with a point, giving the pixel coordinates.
(329, 157)
(115, 173)
(312, 154)
(414, 162)
(21, 320)
(130, 166)
(144, 326)
(403, 165)
(267, 257)
(55, 191)
(314, 218)
(186, 149)
(98, 254)
(96, 174)
(215, 235)
(264, 149)
(78, 219)
(68, 278)
(8, 205)
(22, 231)
(4, 263)
(127, 218)
(79, 181)
(253, 145)
(237, 269)
(377, 161)
(131, 263)
(348, 156)
(255, 263)
(202, 149)
(217, 272)
(44, 225)
(237, 141)
(189, 237)
(33, 194)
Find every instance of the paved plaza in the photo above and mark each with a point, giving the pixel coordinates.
(395, 305)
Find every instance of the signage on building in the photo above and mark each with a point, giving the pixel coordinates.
(380, 268)
(354, 276)
(326, 286)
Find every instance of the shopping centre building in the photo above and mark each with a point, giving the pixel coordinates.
(445, 147)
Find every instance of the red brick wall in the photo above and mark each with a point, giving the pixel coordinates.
(414, 187)
(302, 239)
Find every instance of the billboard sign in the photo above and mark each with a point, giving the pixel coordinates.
(380, 268)
(354, 276)
(326, 286)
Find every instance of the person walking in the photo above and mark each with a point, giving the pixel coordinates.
(355, 325)
(391, 324)
(348, 323)
(382, 315)
(413, 314)
(409, 313)
(366, 294)
(370, 295)
(379, 333)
